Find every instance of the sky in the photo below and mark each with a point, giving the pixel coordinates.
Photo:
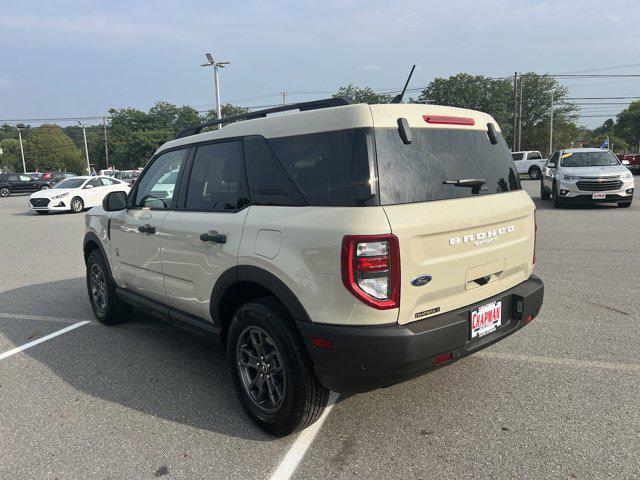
(72, 58)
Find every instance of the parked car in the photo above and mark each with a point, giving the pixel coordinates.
(109, 172)
(588, 175)
(56, 177)
(75, 194)
(128, 176)
(11, 183)
(343, 247)
(529, 162)
(36, 175)
(631, 161)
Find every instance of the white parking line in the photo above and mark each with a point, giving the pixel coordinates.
(18, 316)
(42, 339)
(296, 452)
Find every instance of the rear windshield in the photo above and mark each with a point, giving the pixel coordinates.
(417, 172)
(589, 159)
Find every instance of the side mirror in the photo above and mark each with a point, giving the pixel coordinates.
(115, 201)
(88, 186)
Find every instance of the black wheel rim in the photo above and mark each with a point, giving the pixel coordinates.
(98, 289)
(4, 192)
(261, 369)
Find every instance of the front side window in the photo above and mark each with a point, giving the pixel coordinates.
(156, 187)
(517, 156)
(589, 159)
(442, 164)
(217, 181)
(95, 182)
(535, 156)
(26, 178)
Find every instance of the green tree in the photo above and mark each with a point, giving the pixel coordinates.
(227, 110)
(627, 126)
(47, 147)
(10, 160)
(362, 95)
(475, 92)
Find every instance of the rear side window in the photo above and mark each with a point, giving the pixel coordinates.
(329, 168)
(417, 172)
(217, 181)
(269, 184)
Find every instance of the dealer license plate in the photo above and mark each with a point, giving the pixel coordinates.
(598, 196)
(485, 319)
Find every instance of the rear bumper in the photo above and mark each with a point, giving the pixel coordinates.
(366, 358)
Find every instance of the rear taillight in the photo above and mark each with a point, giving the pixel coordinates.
(535, 236)
(371, 269)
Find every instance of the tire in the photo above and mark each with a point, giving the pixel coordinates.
(5, 192)
(535, 173)
(302, 398)
(624, 204)
(544, 193)
(77, 205)
(557, 201)
(42, 212)
(106, 305)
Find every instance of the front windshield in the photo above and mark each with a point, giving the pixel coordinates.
(589, 159)
(70, 183)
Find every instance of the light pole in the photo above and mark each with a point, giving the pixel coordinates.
(216, 65)
(86, 149)
(551, 128)
(24, 166)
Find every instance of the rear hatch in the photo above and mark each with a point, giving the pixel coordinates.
(465, 227)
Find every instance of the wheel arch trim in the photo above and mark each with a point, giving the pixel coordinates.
(261, 277)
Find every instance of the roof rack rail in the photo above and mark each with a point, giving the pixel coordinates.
(302, 106)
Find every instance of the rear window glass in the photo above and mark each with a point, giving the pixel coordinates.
(417, 172)
(329, 168)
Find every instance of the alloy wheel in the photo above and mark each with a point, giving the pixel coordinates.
(261, 369)
(5, 192)
(98, 289)
(76, 205)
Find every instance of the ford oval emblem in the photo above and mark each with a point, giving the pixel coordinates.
(421, 280)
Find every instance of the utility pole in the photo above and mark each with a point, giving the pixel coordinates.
(520, 116)
(551, 127)
(86, 148)
(515, 109)
(24, 165)
(284, 100)
(106, 142)
(216, 65)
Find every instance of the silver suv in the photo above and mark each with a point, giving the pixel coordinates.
(343, 247)
(586, 175)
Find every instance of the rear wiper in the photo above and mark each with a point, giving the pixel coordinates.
(466, 182)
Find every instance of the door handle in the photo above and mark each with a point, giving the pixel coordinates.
(213, 237)
(147, 229)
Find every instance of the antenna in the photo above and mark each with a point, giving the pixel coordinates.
(398, 98)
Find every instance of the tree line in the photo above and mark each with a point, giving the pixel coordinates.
(134, 135)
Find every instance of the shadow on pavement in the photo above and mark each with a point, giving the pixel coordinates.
(144, 365)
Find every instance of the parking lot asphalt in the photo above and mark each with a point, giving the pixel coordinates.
(559, 399)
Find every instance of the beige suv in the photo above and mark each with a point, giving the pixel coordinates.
(344, 247)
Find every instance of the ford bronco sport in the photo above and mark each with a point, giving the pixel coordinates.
(344, 247)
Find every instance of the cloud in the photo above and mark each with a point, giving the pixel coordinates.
(5, 83)
(372, 68)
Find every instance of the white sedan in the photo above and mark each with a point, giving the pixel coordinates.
(75, 194)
